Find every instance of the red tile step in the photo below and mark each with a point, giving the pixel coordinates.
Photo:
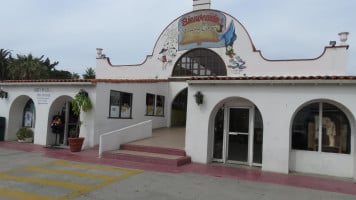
(146, 154)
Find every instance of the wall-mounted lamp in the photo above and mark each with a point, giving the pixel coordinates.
(83, 92)
(199, 98)
(3, 94)
(332, 43)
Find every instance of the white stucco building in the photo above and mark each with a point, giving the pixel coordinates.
(206, 74)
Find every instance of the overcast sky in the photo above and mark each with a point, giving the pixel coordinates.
(69, 31)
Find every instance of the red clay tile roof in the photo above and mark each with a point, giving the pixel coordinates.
(94, 81)
(274, 78)
(86, 81)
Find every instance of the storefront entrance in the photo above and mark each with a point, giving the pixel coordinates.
(238, 136)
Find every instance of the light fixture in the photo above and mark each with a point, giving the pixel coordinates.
(332, 43)
(199, 98)
(83, 92)
(3, 94)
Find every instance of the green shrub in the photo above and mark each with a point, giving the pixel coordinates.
(24, 132)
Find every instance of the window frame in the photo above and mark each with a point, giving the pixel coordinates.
(119, 105)
(199, 62)
(155, 105)
(318, 127)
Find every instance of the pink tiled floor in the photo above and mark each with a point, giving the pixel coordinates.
(91, 156)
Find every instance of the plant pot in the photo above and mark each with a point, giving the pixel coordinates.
(75, 144)
(26, 140)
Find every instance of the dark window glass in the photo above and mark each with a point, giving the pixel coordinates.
(29, 114)
(160, 105)
(150, 104)
(200, 62)
(330, 125)
(120, 104)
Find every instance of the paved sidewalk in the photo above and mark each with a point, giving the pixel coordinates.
(214, 171)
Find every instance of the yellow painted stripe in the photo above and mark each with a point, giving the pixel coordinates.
(78, 189)
(77, 193)
(71, 164)
(45, 182)
(71, 173)
(16, 194)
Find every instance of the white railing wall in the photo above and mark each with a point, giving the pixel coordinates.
(112, 140)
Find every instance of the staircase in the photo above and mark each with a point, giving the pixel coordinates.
(149, 154)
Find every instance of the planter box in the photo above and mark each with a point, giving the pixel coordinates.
(26, 140)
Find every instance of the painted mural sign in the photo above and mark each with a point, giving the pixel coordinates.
(206, 29)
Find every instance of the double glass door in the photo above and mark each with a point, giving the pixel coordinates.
(238, 136)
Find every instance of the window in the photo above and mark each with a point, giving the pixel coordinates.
(321, 125)
(200, 62)
(160, 105)
(150, 104)
(120, 104)
(29, 114)
(154, 105)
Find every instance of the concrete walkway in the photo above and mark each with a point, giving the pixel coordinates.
(234, 175)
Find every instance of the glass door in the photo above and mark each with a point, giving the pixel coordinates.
(238, 135)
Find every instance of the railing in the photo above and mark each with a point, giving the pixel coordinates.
(112, 140)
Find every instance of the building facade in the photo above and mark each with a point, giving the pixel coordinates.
(206, 74)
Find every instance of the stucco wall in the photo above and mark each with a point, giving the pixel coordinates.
(332, 60)
(43, 95)
(277, 104)
(104, 124)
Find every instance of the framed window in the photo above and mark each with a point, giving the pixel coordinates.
(120, 104)
(321, 125)
(200, 62)
(154, 105)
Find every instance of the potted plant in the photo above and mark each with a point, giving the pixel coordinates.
(24, 135)
(81, 102)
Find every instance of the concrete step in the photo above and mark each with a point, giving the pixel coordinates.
(151, 149)
(146, 154)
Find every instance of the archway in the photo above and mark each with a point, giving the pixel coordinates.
(61, 113)
(236, 132)
(322, 139)
(22, 114)
(199, 62)
(179, 109)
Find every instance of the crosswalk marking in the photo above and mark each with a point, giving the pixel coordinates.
(72, 173)
(22, 195)
(54, 168)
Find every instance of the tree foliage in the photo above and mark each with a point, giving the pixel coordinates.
(4, 63)
(89, 73)
(29, 67)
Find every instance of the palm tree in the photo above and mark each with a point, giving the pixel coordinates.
(28, 67)
(4, 63)
(89, 73)
(75, 75)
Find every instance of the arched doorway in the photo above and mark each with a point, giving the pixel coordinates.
(179, 109)
(61, 113)
(22, 114)
(237, 133)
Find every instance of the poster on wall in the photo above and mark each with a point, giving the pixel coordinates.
(205, 29)
(115, 111)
